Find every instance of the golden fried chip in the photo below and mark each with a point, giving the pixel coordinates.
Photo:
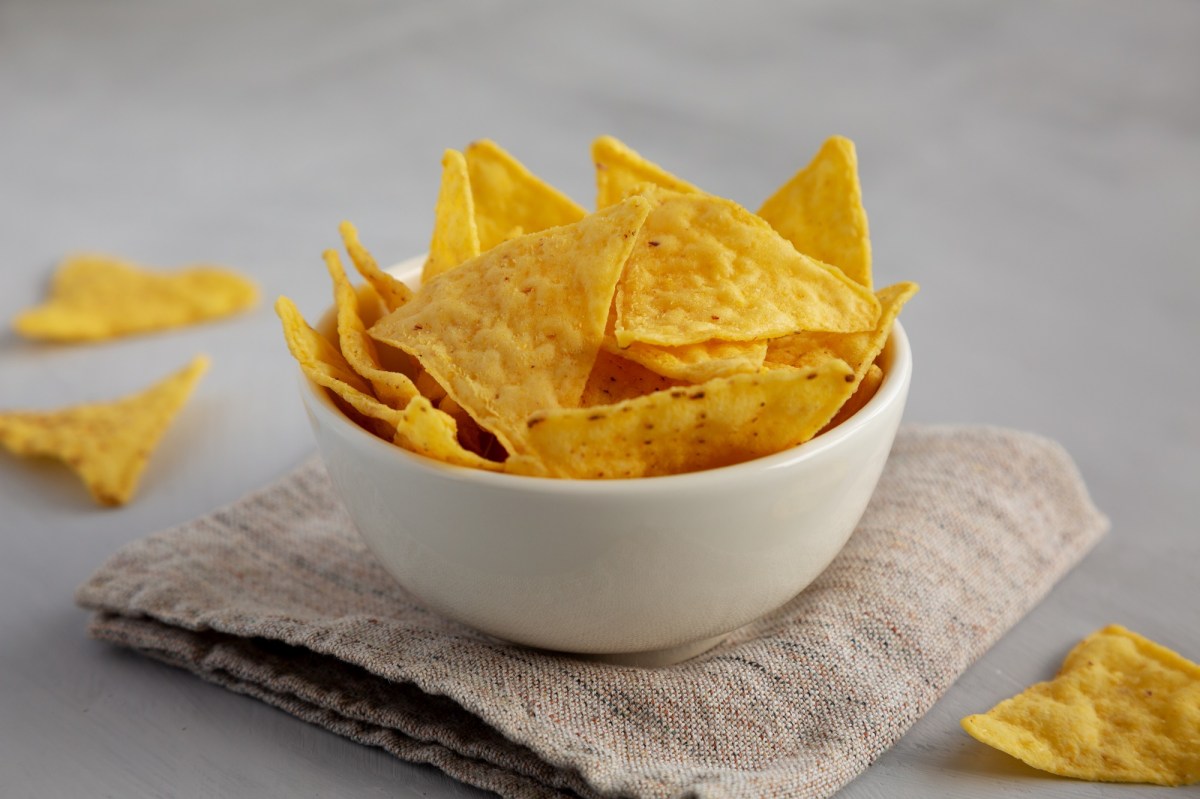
(455, 237)
(106, 444)
(315, 352)
(1122, 709)
(867, 387)
(621, 171)
(695, 363)
(724, 421)
(857, 349)
(518, 328)
(509, 199)
(705, 268)
(820, 211)
(614, 378)
(393, 292)
(392, 388)
(430, 388)
(96, 297)
(418, 427)
(370, 305)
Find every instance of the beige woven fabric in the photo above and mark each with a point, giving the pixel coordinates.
(276, 597)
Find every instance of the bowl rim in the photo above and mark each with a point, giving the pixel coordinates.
(893, 389)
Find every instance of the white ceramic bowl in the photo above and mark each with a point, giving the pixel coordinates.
(646, 571)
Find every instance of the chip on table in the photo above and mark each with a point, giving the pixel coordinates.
(106, 443)
(1122, 709)
(96, 297)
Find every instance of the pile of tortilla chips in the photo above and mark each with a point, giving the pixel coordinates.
(669, 331)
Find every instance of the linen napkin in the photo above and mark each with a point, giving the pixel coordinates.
(276, 597)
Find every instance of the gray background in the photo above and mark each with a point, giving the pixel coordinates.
(1034, 165)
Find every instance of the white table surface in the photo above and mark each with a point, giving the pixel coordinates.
(1034, 165)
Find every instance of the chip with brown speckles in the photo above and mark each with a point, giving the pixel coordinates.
(688, 428)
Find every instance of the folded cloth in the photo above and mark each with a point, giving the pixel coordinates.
(277, 597)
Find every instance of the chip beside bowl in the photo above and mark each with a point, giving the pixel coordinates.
(646, 571)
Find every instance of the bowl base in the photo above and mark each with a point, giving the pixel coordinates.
(657, 657)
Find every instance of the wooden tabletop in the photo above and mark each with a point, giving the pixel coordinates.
(1034, 165)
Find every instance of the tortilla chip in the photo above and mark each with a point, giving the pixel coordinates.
(418, 427)
(510, 200)
(518, 328)
(695, 363)
(614, 379)
(867, 387)
(857, 349)
(621, 171)
(392, 388)
(820, 211)
(393, 292)
(455, 237)
(106, 444)
(1122, 709)
(705, 268)
(95, 297)
(724, 421)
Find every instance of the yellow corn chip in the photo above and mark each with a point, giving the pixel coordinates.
(455, 237)
(393, 292)
(695, 363)
(867, 387)
(315, 352)
(370, 305)
(857, 349)
(689, 363)
(518, 328)
(1122, 709)
(392, 388)
(106, 444)
(509, 199)
(96, 297)
(614, 378)
(418, 427)
(429, 387)
(724, 421)
(820, 211)
(620, 172)
(705, 268)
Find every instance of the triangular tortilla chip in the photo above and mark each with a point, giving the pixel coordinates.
(695, 363)
(620, 171)
(820, 211)
(689, 363)
(393, 292)
(705, 268)
(614, 379)
(509, 199)
(866, 389)
(392, 388)
(1122, 709)
(106, 444)
(455, 237)
(857, 349)
(724, 421)
(484, 331)
(418, 427)
(96, 297)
